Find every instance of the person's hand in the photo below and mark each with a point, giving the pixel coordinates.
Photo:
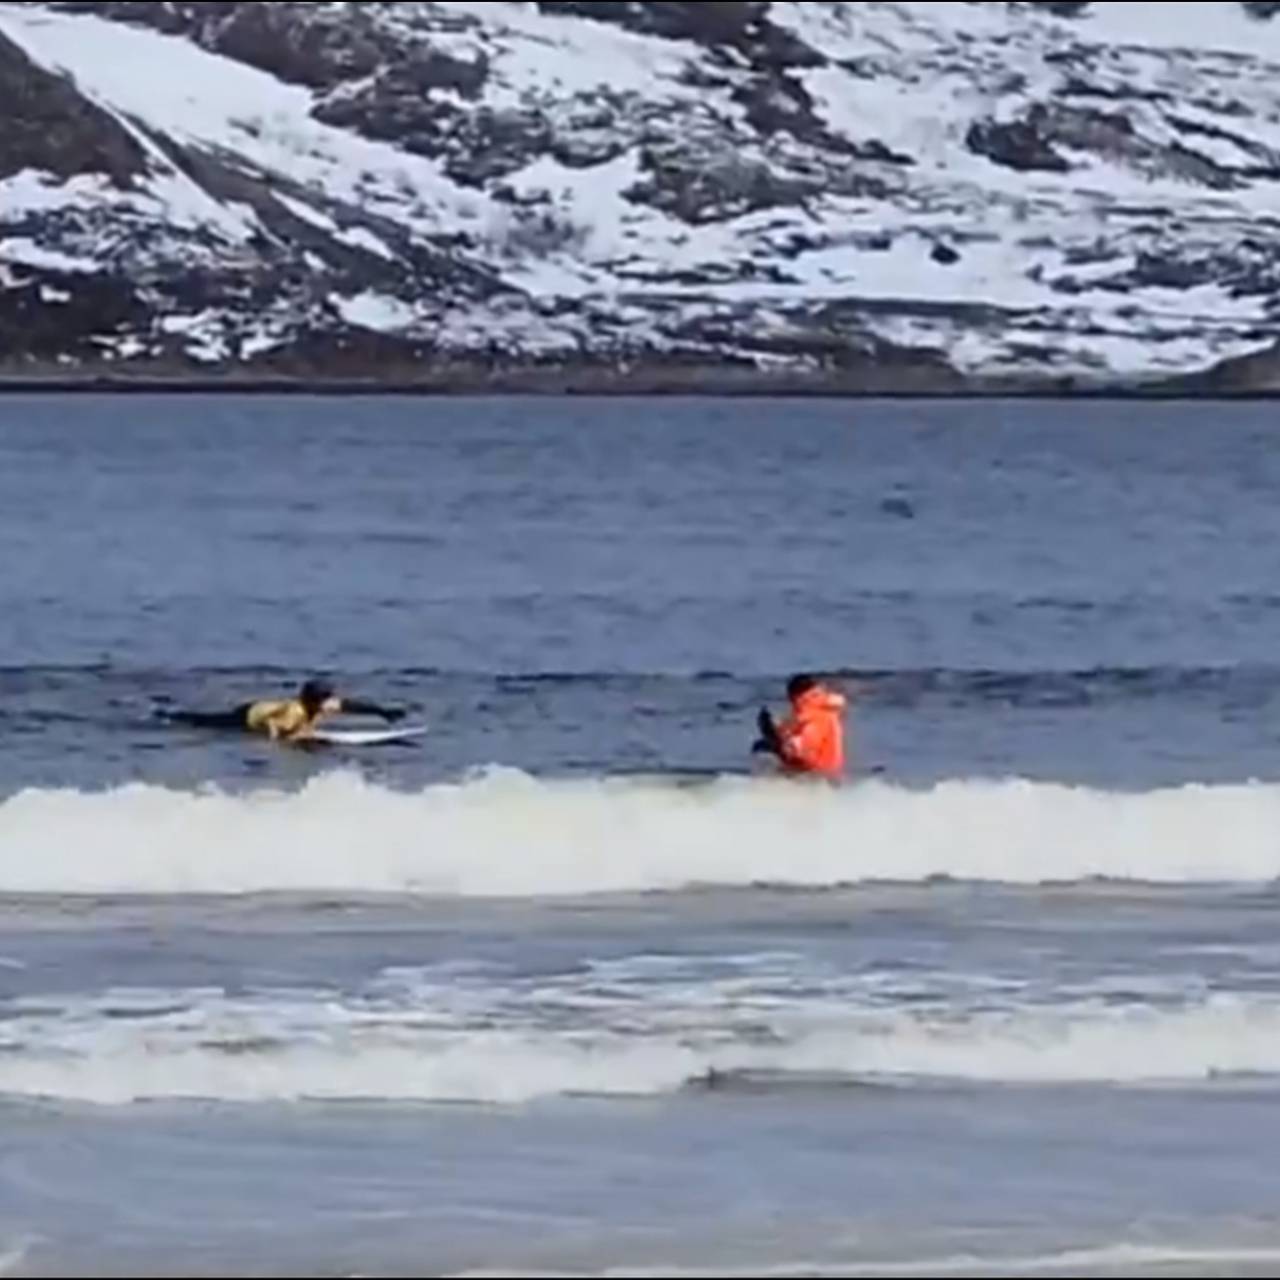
(768, 742)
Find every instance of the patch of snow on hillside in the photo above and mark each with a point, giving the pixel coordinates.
(23, 251)
(1193, 24)
(533, 55)
(32, 191)
(176, 88)
(363, 238)
(375, 311)
(307, 213)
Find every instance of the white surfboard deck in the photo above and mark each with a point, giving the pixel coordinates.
(367, 737)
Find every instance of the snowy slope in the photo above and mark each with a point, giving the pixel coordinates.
(890, 194)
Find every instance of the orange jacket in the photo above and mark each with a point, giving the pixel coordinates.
(812, 739)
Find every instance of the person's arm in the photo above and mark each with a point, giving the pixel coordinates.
(797, 744)
(282, 725)
(281, 721)
(360, 707)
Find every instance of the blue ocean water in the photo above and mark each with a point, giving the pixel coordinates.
(562, 988)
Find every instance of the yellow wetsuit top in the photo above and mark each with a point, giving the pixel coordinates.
(284, 719)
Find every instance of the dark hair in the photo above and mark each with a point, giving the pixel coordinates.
(314, 694)
(798, 686)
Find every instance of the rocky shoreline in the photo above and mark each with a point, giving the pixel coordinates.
(1258, 382)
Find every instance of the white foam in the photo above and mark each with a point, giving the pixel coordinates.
(1117, 1259)
(13, 1257)
(508, 834)
(439, 1043)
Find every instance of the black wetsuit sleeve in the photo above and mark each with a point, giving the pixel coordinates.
(359, 707)
(235, 719)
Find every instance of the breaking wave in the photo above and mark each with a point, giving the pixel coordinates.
(507, 834)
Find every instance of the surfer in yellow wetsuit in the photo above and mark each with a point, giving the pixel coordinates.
(288, 719)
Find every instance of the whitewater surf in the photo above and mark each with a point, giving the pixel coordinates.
(506, 833)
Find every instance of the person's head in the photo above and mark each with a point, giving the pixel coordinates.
(318, 698)
(798, 686)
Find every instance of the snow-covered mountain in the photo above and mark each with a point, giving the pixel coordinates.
(901, 196)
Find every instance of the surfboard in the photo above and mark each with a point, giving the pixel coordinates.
(367, 737)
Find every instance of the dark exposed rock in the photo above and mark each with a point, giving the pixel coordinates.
(414, 264)
(876, 150)
(1249, 146)
(1015, 145)
(1242, 271)
(779, 104)
(1080, 87)
(316, 54)
(1182, 162)
(347, 353)
(324, 50)
(1249, 268)
(744, 27)
(419, 122)
(1257, 373)
(434, 71)
(49, 126)
(706, 22)
(476, 146)
(1060, 8)
(702, 189)
(57, 316)
(497, 143)
(594, 137)
(1170, 273)
(1032, 142)
(163, 15)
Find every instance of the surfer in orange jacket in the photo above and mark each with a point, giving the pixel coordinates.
(810, 742)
